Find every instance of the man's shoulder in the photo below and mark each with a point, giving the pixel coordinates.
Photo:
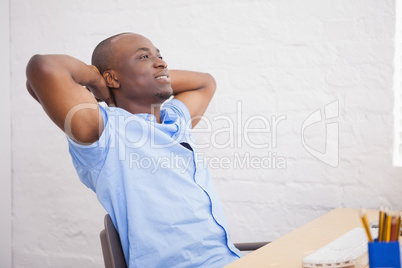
(178, 107)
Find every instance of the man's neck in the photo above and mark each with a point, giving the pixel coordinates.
(137, 108)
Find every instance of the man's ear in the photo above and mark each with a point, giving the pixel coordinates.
(111, 79)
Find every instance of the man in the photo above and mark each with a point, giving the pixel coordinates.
(137, 155)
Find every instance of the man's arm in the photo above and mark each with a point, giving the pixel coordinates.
(56, 82)
(195, 90)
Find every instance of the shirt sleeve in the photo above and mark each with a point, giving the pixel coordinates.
(88, 159)
(179, 108)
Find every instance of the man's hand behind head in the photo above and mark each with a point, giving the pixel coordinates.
(100, 89)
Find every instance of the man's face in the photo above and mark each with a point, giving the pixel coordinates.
(142, 73)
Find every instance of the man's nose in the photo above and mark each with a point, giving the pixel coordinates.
(159, 63)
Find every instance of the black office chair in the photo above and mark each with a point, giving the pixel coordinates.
(113, 253)
(111, 246)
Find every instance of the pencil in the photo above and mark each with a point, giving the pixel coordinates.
(393, 229)
(384, 226)
(363, 217)
(398, 227)
(388, 229)
(380, 225)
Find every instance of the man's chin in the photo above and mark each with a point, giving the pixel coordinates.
(164, 96)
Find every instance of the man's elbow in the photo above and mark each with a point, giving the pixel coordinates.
(32, 68)
(31, 91)
(210, 83)
(36, 65)
(39, 70)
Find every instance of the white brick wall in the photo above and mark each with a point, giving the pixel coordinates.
(275, 58)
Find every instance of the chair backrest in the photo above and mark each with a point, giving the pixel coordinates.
(113, 253)
(111, 246)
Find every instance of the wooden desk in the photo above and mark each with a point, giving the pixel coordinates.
(289, 250)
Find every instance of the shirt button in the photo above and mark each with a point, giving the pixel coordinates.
(151, 118)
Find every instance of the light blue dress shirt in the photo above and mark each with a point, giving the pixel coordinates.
(157, 191)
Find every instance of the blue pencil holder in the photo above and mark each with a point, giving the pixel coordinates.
(382, 254)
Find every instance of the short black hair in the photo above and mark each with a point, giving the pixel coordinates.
(103, 55)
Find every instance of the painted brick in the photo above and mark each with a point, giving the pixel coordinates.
(277, 58)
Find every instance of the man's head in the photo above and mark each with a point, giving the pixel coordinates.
(133, 69)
